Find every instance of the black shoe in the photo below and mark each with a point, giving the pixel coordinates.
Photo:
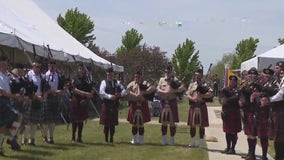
(231, 151)
(15, 145)
(25, 142)
(2, 154)
(250, 157)
(8, 141)
(32, 142)
(51, 142)
(44, 139)
(79, 140)
(226, 150)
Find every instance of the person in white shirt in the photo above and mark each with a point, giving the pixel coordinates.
(111, 91)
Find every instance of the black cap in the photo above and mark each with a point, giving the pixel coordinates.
(233, 77)
(199, 71)
(51, 61)
(169, 68)
(109, 70)
(3, 58)
(19, 66)
(253, 71)
(268, 71)
(138, 73)
(280, 64)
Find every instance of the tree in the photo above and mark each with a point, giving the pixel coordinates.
(150, 60)
(185, 61)
(130, 41)
(244, 51)
(79, 25)
(281, 41)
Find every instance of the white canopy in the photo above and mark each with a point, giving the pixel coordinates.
(264, 60)
(23, 23)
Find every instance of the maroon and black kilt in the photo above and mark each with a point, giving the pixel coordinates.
(204, 114)
(277, 132)
(36, 112)
(249, 125)
(144, 109)
(109, 113)
(262, 123)
(51, 109)
(173, 107)
(231, 120)
(78, 112)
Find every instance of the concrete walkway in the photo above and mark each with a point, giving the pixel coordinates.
(215, 148)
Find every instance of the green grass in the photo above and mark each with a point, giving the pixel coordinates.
(94, 146)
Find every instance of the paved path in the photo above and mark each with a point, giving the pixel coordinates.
(215, 148)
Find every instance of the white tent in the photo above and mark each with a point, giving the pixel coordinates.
(265, 59)
(23, 24)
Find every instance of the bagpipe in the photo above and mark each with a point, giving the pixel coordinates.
(143, 86)
(203, 88)
(175, 84)
(23, 86)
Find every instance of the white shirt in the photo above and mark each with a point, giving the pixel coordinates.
(5, 82)
(52, 79)
(36, 79)
(106, 95)
(279, 96)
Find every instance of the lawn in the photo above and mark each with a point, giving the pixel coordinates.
(94, 146)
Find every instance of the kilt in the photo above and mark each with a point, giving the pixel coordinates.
(173, 107)
(249, 125)
(26, 113)
(144, 109)
(36, 112)
(231, 120)
(277, 131)
(204, 114)
(51, 109)
(262, 122)
(78, 111)
(7, 114)
(109, 113)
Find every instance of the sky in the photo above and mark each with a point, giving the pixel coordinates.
(216, 26)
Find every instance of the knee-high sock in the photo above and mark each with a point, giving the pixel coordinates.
(228, 140)
(201, 132)
(80, 129)
(173, 130)
(1, 141)
(141, 131)
(74, 129)
(252, 144)
(164, 130)
(51, 128)
(33, 131)
(27, 131)
(44, 130)
(264, 146)
(14, 129)
(106, 132)
(234, 140)
(277, 148)
(134, 130)
(111, 130)
(192, 131)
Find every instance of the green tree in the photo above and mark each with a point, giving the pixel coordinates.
(281, 41)
(130, 41)
(79, 25)
(185, 61)
(244, 51)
